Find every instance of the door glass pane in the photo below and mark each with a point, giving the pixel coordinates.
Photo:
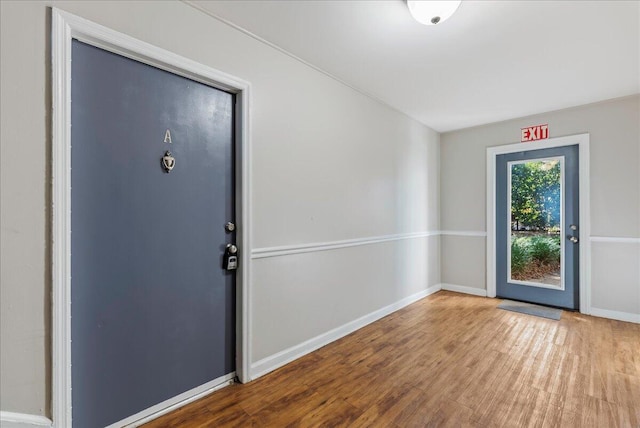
(535, 222)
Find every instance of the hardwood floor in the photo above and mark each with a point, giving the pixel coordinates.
(449, 360)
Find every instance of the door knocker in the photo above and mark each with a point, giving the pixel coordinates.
(168, 162)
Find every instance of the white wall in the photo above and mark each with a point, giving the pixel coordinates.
(614, 128)
(329, 164)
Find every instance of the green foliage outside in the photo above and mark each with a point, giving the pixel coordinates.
(535, 195)
(520, 255)
(534, 256)
(535, 219)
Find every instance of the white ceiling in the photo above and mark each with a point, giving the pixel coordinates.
(491, 61)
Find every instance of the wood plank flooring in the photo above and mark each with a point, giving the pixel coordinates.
(449, 360)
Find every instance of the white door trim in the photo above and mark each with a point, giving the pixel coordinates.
(66, 27)
(582, 140)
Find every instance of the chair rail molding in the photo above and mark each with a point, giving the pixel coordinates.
(260, 253)
(616, 239)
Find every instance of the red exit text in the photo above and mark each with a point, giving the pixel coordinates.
(533, 133)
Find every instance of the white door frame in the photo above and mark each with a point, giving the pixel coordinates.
(582, 140)
(66, 27)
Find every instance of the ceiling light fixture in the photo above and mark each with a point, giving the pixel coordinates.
(431, 12)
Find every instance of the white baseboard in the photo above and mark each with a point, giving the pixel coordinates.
(464, 289)
(278, 360)
(171, 404)
(615, 315)
(23, 420)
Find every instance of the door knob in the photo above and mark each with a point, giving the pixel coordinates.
(230, 259)
(573, 239)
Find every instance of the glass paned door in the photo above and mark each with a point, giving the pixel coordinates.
(537, 226)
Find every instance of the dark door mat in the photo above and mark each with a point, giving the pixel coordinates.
(531, 309)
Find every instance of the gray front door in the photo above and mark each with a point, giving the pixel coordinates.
(153, 312)
(538, 226)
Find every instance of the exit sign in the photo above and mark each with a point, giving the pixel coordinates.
(533, 133)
